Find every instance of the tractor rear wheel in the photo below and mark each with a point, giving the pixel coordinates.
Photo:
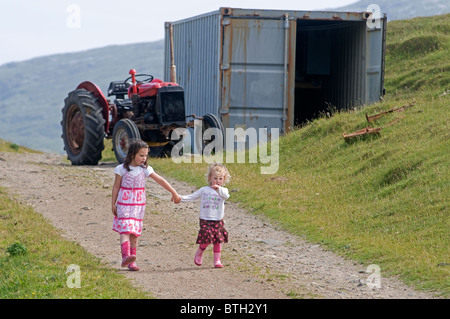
(124, 132)
(83, 128)
(209, 121)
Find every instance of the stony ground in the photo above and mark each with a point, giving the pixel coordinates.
(261, 261)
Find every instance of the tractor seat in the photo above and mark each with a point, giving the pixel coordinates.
(118, 88)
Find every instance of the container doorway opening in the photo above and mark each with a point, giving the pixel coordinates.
(329, 67)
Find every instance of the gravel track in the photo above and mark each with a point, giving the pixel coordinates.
(261, 261)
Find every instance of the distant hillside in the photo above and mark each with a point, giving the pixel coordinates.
(32, 92)
(402, 9)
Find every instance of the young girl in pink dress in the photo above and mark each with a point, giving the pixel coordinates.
(212, 227)
(128, 199)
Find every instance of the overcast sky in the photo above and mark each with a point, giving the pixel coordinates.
(30, 28)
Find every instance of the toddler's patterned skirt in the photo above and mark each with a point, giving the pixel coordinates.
(212, 232)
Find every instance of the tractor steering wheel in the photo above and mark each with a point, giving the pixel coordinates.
(148, 79)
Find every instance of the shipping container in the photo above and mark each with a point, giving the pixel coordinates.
(276, 68)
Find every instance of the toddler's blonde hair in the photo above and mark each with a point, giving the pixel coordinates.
(220, 169)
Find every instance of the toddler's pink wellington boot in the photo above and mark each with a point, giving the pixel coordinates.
(126, 257)
(217, 262)
(198, 259)
(133, 265)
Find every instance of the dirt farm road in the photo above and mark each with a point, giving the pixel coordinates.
(261, 261)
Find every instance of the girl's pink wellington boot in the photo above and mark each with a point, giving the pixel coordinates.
(217, 262)
(198, 259)
(126, 257)
(133, 265)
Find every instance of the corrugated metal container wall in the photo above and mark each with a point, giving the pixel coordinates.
(196, 57)
(274, 68)
(253, 73)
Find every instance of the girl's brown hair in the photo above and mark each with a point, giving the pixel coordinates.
(133, 149)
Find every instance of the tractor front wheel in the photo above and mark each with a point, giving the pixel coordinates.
(124, 132)
(83, 128)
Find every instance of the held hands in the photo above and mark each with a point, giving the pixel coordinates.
(175, 198)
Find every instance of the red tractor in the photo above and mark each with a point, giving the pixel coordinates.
(143, 108)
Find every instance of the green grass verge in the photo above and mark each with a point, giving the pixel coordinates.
(34, 261)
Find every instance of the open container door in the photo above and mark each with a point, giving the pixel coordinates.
(375, 56)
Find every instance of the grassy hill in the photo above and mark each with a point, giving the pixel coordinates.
(417, 60)
(381, 199)
(402, 9)
(32, 92)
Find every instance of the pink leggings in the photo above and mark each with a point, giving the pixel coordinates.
(216, 247)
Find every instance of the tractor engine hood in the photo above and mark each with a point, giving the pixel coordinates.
(150, 89)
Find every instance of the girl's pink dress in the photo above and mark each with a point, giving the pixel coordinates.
(131, 201)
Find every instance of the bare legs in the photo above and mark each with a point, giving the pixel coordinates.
(128, 244)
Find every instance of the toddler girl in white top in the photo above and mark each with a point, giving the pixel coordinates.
(212, 229)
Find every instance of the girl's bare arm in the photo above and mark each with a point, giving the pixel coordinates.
(161, 181)
(115, 192)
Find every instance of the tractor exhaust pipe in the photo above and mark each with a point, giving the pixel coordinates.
(173, 68)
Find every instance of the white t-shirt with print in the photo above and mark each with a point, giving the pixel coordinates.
(212, 204)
